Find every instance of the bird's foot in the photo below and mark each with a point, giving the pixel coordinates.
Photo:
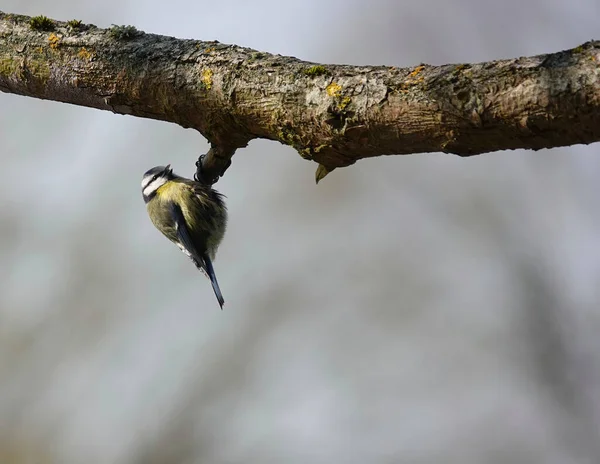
(200, 173)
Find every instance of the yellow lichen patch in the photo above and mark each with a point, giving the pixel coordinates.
(451, 138)
(53, 41)
(85, 54)
(209, 50)
(207, 80)
(334, 89)
(413, 79)
(417, 70)
(344, 103)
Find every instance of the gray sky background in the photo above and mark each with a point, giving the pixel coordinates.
(416, 309)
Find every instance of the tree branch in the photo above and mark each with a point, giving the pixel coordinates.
(332, 114)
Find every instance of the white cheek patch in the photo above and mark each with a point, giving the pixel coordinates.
(153, 186)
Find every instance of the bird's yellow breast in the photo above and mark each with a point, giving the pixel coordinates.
(179, 193)
(170, 191)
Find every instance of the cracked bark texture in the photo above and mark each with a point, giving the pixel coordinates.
(332, 114)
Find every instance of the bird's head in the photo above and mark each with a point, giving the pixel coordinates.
(153, 179)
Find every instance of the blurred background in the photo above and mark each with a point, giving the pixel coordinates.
(414, 309)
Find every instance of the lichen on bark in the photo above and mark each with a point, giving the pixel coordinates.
(331, 114)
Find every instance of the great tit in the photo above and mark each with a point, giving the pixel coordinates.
(190, 214)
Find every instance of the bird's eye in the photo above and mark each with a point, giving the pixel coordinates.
(154, 178)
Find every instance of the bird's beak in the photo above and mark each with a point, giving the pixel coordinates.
(168, 169)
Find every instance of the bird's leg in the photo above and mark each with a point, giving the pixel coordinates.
(200, 175)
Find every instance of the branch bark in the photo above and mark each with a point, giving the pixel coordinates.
(332, 114)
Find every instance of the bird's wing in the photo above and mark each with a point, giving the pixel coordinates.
(183, 234)
(201, 259)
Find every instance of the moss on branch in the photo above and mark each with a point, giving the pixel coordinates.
(331, 114)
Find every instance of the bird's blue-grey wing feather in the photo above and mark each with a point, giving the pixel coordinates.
(183, 233)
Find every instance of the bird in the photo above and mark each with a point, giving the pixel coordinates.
(190, 214)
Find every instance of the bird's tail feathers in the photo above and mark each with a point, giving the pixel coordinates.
(210, 273)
